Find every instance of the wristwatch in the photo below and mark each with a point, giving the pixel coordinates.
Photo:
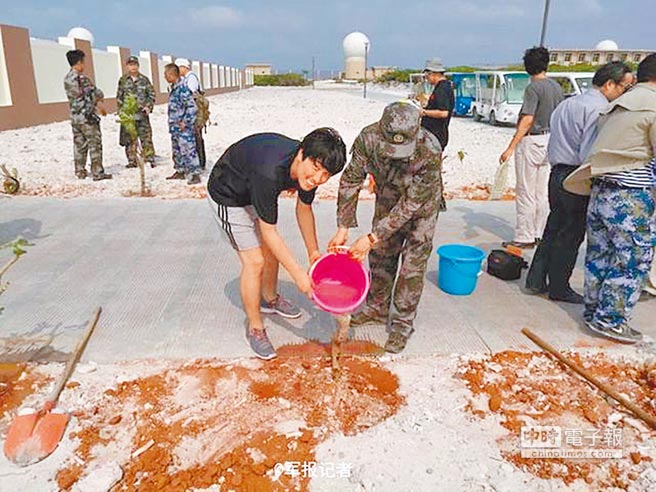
(372, 238)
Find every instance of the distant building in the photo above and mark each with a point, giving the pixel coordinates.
(260, 68)
(605, 51)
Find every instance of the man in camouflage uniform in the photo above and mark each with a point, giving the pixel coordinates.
(83, 97)
(140, 87)
(621, 217)
(182, 116)
(405, 161)
(192, 81)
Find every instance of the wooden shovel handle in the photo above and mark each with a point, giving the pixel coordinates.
(74, 358)
(590, 378)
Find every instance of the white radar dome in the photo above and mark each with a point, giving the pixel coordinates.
(607, 45)
(81, 33)
(354, 44)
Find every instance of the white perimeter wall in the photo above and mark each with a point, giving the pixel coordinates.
(161, 63)
(215, 76)
(195, 67)
(144, 64)
(5, 92)
(207, 83)
(107, 68)
(50, 68)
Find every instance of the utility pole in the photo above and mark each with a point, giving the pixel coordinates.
(366, 53)
(544, 22)
(314, 74)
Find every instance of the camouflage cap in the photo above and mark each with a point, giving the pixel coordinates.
(131, 60)
(398, 128)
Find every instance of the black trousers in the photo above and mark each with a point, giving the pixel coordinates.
(555, 257)
(200, 147)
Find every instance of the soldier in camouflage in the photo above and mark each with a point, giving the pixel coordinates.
(405, 162)
(83, 99)
(137, 84)
(182, 117)
(192, 81)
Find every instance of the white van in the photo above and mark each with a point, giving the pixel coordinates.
(499, 96)
(573, 83)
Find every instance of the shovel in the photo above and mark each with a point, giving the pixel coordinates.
(34, 434)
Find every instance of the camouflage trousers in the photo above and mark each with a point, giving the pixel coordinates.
(87, 139)
(621, 229)
(395, 292)
(145, 135)
(185, 156)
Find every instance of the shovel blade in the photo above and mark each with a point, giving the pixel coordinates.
(33, 437)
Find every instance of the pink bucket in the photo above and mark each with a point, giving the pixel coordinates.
(341, 283)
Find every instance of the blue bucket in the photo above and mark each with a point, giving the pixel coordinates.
(459, 268)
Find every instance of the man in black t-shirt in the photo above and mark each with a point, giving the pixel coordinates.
(243, 190)
(437, 113)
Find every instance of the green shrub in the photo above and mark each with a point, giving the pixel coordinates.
(579, 67)
(285, 79)
(463, 68)
(397, 76)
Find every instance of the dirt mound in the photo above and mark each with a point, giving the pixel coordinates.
(250, 426)
(531, 389)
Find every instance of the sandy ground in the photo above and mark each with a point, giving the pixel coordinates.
(43, 154)
(387, 424)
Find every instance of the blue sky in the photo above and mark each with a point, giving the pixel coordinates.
(287, 33)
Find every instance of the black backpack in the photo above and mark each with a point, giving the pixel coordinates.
(504, 265)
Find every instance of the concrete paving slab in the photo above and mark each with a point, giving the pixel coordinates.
(168, 283)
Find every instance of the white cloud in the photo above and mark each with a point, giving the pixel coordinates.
(583, 7)
(216, 16)
(480, 10)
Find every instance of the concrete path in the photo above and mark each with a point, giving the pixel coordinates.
(168, 283)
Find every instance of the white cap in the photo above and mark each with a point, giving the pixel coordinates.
(183, 62)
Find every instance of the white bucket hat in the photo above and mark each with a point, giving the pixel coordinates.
(183, 62)
(434, 65)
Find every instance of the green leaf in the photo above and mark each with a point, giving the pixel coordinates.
(126, 115)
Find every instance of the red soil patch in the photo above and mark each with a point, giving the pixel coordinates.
(16, 383)
(477, 192)
(589, 342)
(315, 349)
(229, 424)
(521, 385)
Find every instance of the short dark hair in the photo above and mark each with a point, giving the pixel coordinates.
(536, 60)
(172, 67)
(614, 71)
(74, 56)
(326, 146)
(647, 69)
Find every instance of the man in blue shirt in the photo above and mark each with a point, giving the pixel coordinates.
(572, 133)
(191, 80)
(182, 116)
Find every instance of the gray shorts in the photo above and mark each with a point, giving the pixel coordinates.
(239, 225)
